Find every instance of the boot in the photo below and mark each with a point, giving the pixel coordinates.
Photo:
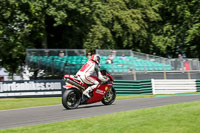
(87, 91)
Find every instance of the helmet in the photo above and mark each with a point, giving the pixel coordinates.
(96, 58)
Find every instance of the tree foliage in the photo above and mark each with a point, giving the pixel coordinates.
(163, 27)
(179, 29)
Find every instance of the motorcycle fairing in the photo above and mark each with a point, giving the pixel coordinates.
(99, 93)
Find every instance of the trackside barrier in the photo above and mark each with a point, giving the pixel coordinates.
(32, 88)
(48, 88)
(198, 85)
(173, 86)
(128, 87)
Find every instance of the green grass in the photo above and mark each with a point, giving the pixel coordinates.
(176, 118)
(134, 96)
(178, 94)
(14, 103)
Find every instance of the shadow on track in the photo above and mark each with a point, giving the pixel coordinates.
(87, 106)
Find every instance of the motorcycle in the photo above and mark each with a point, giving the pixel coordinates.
(73, 95)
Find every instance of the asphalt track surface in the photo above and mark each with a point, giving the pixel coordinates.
(47, 114)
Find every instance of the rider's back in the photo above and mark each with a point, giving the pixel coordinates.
(88, 68)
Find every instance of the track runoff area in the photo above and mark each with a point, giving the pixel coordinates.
(47, 114)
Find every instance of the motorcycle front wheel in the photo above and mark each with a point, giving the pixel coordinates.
(110, 96)
(71, 98)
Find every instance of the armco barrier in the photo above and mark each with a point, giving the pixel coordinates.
(31, 88)
(128, 87)
(173, 86)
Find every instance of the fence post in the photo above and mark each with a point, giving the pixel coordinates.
(165, 75)
(134, 75)
(189, 75)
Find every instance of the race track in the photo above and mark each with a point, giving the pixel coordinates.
(46, 114)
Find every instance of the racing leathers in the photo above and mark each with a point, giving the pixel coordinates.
(85, 73)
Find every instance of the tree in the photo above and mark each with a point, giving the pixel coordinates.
(151, 26)
(121, 24)
(13, 30)
(179, 29)
(31, 24)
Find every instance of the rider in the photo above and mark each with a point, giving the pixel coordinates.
(92, 66)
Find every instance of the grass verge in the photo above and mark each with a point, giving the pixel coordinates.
(176, 118)
(133, 96)
(14, 103)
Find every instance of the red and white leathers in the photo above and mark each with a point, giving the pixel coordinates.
(85, 74)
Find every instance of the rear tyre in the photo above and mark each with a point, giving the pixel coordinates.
(110, 96)
(71, 98)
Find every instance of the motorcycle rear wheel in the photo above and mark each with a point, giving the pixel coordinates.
(110, 96)
(71, 98)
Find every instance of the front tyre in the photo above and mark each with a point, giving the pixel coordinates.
(71, 98)
(110, 96)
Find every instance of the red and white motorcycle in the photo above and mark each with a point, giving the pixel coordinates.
(73, 96)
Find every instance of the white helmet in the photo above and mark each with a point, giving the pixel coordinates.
(96, 58)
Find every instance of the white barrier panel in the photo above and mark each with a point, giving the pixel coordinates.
(173, 86)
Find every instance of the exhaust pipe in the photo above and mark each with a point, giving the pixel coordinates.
(74, 83)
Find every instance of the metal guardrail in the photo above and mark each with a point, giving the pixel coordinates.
(59, 61)
(56, 52)
(174, 64)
